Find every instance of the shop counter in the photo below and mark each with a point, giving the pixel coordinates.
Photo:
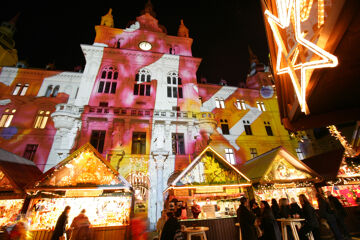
(98, 233)
(219, 228)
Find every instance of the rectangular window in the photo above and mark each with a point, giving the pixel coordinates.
(240, 104)
(17, 89)
(269, 131)
(217, 103)
(299, 153)
(97, 139)
(174, 92)
(101, 87)
(113, 87)
(178, 143)
(147, 92)
(41, 119)
(103, 104)
(225, 129)
(180, 92)
(248, 130)
(260, 106)
(229, 154)
(30, 151)
(222, 103)
(24, 89)
(138, 143)
(253, 152)
(107, 87)
(136, 89)
(142, 90)
(7, 117)
(169, 92)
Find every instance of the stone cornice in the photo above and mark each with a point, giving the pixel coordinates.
(37, 72)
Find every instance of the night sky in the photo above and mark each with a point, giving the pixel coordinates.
(221, 29)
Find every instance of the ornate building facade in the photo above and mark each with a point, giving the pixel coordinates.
(139, 104)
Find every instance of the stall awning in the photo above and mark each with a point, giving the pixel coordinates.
(84, 168)
(277, 165)
(326, 164)
(16, 172)
(209, 168)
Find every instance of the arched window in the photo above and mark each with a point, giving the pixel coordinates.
(55, 91)
(107, 83)
(49, 91)
(174, 88)
(142, 86)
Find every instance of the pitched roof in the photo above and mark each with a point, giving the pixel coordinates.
(259, 167)
(18, 170)
(83, 168)
(326, 164)
(222, 162)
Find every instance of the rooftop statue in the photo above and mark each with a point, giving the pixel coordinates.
(107, 20)
(183, 30)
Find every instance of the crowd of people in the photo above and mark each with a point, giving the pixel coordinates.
(260, 221)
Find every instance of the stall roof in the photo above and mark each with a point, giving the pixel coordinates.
(84, 168)
(210, 168)
(277, 165)
(16, 172)
(326, 164)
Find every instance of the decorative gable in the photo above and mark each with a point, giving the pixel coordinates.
(83, 168)
(210, 168)
(280, 169)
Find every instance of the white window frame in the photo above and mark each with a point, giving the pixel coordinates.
(229, 155)
(219, 102)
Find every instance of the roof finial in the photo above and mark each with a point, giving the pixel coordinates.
(149, 9)
(107, 20)
(183, 30)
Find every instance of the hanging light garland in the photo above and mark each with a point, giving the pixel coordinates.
(349, 151)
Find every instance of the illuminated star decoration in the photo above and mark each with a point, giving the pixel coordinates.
(289, 11)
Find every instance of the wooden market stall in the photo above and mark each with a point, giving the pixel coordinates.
(278, 174)
(342, 180)
(216, 186)
(84, 180)
(15, 173)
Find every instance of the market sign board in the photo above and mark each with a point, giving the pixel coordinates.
(83, 193)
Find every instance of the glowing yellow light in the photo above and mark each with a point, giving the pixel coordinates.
(349, 151)
(321, 17)
(288, 9)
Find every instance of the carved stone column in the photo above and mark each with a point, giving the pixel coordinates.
(159, 159)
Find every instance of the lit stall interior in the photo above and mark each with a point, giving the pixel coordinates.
(15, 173)
(84, 180)
(278, 174)
(346, 187)
(212, 182)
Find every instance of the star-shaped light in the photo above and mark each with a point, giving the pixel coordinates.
(287, 10)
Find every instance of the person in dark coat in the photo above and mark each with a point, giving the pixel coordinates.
(284, 208)
(311, 223)
(295, 209)
(285, 213)
(170, 227)
(268, 225)
(247, 220)
(340, 213)
(328, 214)
(60, 227)
(255, 207)
(275, 208)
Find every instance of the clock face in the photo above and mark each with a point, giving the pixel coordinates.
(146, 46)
